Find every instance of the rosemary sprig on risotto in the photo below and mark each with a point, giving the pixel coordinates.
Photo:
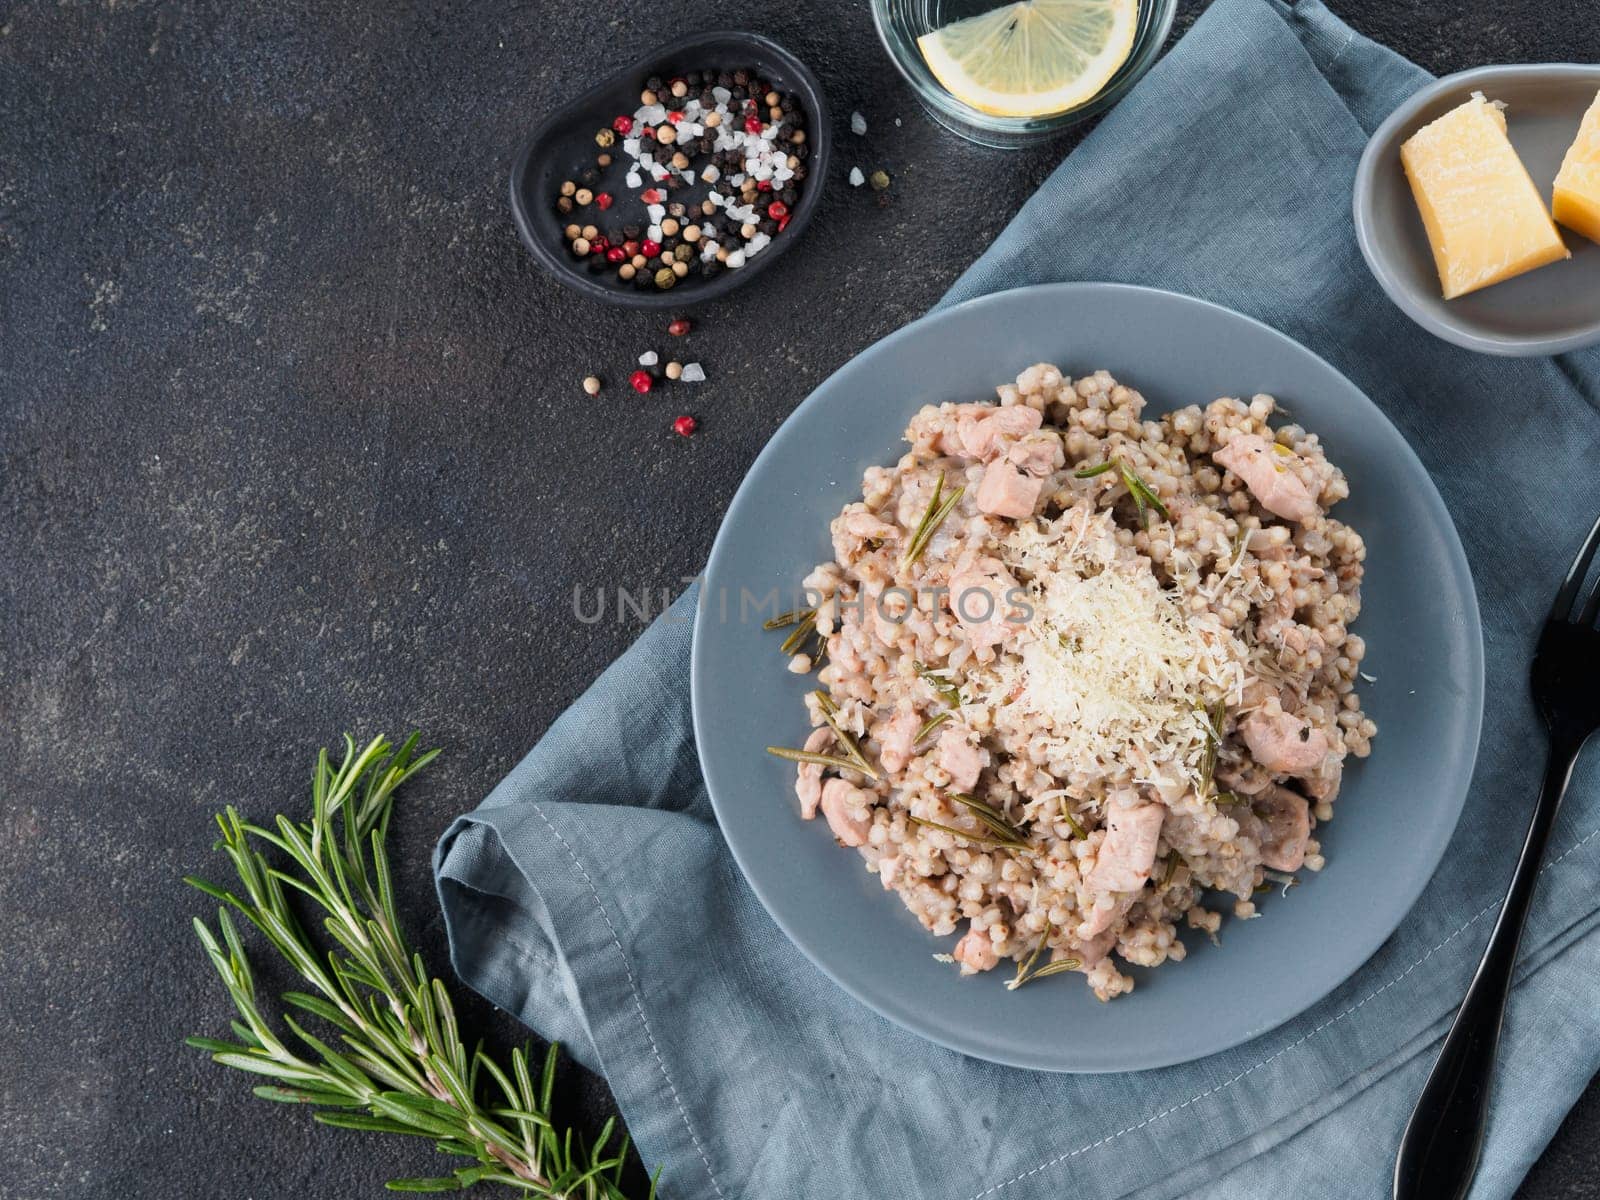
(938, 509)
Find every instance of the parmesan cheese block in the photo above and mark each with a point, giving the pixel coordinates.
(1577, 192)
(1484, 217)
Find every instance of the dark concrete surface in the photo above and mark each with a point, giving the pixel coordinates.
(291, 442)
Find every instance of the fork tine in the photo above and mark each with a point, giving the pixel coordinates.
(1561, 610)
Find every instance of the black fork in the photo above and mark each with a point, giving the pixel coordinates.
(1439, 1149)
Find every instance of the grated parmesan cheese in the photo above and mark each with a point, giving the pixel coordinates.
(1110, 677)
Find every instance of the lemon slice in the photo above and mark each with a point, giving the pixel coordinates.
(1034, 57)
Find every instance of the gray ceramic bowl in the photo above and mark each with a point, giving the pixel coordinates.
(1398, 808)
(1547, 311)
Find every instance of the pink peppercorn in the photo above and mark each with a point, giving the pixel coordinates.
(623, 124)
(675, 116)
(777, 210)
(640, 381)
(649, 248)
(752, 124)
(603, 200)
(599, 245)
(652, 196)
(678, 327)
(616, 254)
(764, 185)
(685, 426)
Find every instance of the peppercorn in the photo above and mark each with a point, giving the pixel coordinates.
(675, 183)
(666, 278)
(799, 173)
(798, 137)
(763, 185)
(666, 134)
(683, 253)
(747, 230)
(669, 226)
(788, 103)
(616, 255)
(685, 426)
(590, 232)
(568, 187)
(680, 160)
(802, 152)
(711, 269)
(573, 231)
(640, 381)
(693, 78)
(707, 100)
(626, 271)
(788, 196)
(654, 84)
(676, 209)
(588, 176)
(777, 210)
(631, 232)
(649, 248)
(767, 226)
(691, 233)
(741, 77)
(652, 196)
(639, 261)
(583, 196)
(713, 119)
(564, 205)
(707, 208)
(603, 200)
(591, 384)
(752, 124)
(679, 326)
(724, 79)
(602, 160)
(599, 244)
(879, 180)
(623, 124)
(580, 247)
(605, 137)
(680, 88)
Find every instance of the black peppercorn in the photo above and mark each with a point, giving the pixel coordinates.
(564, 204)
(799, 173)
(654, 84)
(789, 103)
(705, 145)
(672, 103)
(589, 175)
(707, 100)
(597, 264)
(711, 269)
(724, 80)
(676, 209)
(630, 233)
(802, 151)
(674, 183)
(767, 226)
(789, 196)
(691, 79)
(741, 77)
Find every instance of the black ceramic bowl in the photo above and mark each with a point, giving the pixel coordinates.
(564, 143)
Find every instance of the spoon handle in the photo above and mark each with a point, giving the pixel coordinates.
(1440, 1147)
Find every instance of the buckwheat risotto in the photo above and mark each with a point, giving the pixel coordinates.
(1077, 668)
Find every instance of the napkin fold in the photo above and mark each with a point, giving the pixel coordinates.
(591, 894)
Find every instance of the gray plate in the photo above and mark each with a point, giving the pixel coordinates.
(1550, 310)
(1398, 808)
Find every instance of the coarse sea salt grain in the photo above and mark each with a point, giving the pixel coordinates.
(708, 250)
(735, 260)
(633, 180)
(656, 211)
(653, 233)
(649, 358)
(711, 174)
(858, 124)
(652, 114)
(721, 95)
(856, 177)
(693, 373)
(757, 244)
(630, 147)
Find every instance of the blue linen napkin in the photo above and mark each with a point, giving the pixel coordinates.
(592, 894)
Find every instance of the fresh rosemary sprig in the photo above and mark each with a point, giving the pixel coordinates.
(394, 1062)
(1211, 720)
(1078, 831)
(938, 509)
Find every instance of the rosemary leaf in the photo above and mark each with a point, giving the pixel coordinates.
(1078, 830)
(1026, 964)
(1098, 469)
(930, 725)
(821, 760)
(802, 631)
(938, 509)
(784, 620)
(1057, 967)
(982, 839)
(990, 816)
(830, 714)
(1142, 495)
(947, 690)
